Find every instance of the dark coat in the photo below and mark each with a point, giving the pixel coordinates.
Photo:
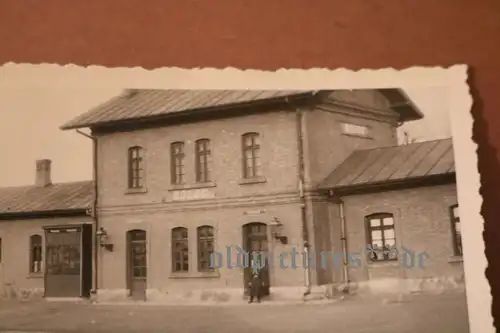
(255, 285)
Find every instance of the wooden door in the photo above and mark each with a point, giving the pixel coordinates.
(137, 264)
(63, 262)
(255, 241)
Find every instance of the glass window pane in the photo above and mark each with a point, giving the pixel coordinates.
(36, 240)
(388, 221)
(389, 233)
(390, 242)
(456, 213)
(375, 222)
(249, 172)
(459, 245)
(457, 227)
(376, 235)
(248, 140)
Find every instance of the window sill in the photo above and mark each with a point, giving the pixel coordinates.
(360, 136)
(383, 264)
(255, 180)
(136, 190)
(192, 186)
(35, 276)
(455, 259)
(196, 275)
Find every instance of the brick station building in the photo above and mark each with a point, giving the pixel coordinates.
(180, 174)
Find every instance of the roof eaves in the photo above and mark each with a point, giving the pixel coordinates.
(44, 214)
(75, 124)
(383, 183)
(404, 103)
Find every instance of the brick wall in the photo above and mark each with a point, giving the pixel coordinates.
(278, 158)
(227, 220)
(422, 223)
(326, 146)
(156, 211)
(232, 205)
(15, 277)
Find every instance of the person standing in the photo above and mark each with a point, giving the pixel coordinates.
(255, 286)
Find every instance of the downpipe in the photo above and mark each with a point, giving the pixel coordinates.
(95, 265)
(307, 266)
(343, 239)
(303, 202)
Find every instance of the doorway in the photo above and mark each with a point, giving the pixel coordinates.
(255, 241)
(137, 264)
(68, 253)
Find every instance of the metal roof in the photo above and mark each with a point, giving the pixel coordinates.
(398, 163)
(144, 103)
(54, 197)
(135, 104)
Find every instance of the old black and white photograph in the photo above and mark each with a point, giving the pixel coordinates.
(136, 206)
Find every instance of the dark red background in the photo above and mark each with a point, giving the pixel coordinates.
(270, 34)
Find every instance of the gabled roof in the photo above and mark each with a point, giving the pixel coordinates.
(145, 103)
(141, 104)
(393, 164)
(60, 197)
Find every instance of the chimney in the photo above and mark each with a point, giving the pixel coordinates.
(43, 173)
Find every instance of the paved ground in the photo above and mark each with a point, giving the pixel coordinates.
(422, 313)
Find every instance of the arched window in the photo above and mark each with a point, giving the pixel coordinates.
(177, 163)
(35, 254)
(135, 167)
(205, 247)
(381, 237)
(180, 250)
(456, 231)
(203, 160)
(251, 155)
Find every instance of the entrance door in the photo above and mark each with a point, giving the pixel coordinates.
(137, 264)
(255, 241)
(63, 262)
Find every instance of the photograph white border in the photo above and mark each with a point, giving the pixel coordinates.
(460, 102)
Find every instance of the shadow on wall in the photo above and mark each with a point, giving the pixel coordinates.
(9, 291)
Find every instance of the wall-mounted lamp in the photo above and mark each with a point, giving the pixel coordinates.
(103, 237)
(276, 230)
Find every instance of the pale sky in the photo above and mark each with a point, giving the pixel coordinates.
(32, 109)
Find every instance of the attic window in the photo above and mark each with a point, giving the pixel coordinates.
(353, 129)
